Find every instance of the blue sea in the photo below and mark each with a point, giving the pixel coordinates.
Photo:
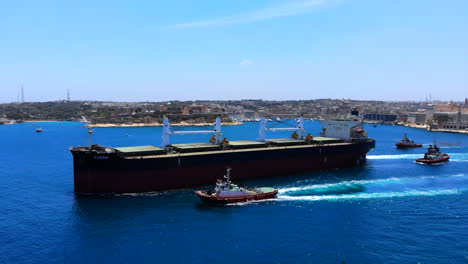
(389, 210)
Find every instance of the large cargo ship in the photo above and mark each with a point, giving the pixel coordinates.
(108, 170)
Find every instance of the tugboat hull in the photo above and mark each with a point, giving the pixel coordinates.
(405, 145)
(208, 198)
(446, 157)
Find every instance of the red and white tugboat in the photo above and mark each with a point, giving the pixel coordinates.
(407, 143)
(226, 192)
(434, 155)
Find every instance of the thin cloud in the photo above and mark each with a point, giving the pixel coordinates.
(245, 62)
(292, 8)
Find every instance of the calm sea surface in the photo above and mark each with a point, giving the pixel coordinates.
(390, 210)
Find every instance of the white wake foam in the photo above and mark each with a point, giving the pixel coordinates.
(341, 184)
(356, 189)
(397, 156)
(371, 195)
(453, 156)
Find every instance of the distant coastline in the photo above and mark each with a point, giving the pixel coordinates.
(104, 125)
(43, 121)
(460, 131)
(235, 123)
(425, 127)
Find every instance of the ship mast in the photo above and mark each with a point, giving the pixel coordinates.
(90, 137)
(167, 131)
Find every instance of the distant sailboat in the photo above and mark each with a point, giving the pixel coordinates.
(39, 129)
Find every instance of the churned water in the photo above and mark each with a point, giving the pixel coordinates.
(390, 210)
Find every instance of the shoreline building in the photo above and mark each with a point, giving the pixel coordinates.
(452, 116)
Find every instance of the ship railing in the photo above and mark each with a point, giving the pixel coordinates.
(167, 131)
(192, 132)
(263, 129)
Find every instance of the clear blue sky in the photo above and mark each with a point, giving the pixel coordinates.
(269, 49)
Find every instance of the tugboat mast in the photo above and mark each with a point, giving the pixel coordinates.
(228, 177)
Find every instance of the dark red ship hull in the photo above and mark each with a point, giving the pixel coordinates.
(211, 199)
(113, 174)
(406, 145)
(446, 157)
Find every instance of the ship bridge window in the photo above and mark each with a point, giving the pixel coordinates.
(101, 157)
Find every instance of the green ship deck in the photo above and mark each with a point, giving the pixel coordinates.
(326, 140)
(285, 142)
(194, 147)
(246, 144)
(232, 146)
(139, 150)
